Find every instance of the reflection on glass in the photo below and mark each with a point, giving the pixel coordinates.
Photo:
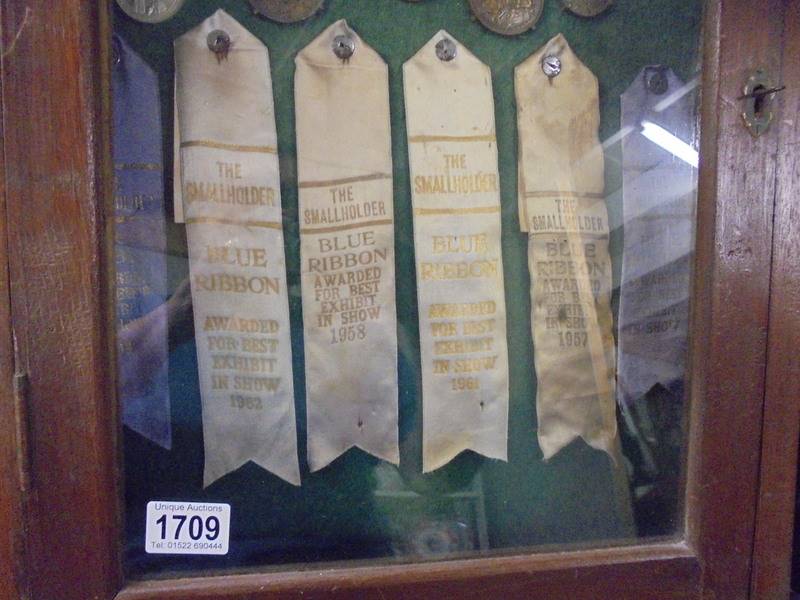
(359, 507)
(659, 170)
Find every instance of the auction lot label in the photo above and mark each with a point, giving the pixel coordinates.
(187, 528)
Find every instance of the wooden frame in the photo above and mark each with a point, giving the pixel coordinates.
(776, 501)
(55, 164)
(56, 175)
(12, 448)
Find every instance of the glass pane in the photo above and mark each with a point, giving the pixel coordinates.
(499, 265)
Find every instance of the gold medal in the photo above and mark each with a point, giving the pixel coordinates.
(150, 11)
(508, 17)
(286, 11)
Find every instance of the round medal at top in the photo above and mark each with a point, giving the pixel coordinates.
(150, 11)
(586, 8)
(508, 17)
(286, 11)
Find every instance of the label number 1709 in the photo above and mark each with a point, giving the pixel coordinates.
(198, 527)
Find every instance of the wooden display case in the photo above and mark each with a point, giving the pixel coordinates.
(60, 455)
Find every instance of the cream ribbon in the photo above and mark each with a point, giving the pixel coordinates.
(232, 208)
(562, 207)
(344, 164)
(456, 201)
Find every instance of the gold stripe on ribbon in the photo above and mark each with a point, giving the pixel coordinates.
(475, 210)
(421, 139)
(334, 228)
(224, 146)
(220, 221)
(343, 181)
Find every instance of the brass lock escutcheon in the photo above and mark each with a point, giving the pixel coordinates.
(759, 92)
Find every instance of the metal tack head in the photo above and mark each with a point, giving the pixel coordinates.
(344, 46)
(446, 49)
(656, 80)
(551, 65)
(219, 42)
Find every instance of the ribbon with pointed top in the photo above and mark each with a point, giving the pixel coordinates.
(230, 188)
(344, 166)
(562, 208)
(659, 165)
(456, 201)
(140, 247)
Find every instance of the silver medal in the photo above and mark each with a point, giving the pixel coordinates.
(286, 11)
(587, 8)
(150, 11)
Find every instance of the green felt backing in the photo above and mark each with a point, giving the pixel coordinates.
(359, 508)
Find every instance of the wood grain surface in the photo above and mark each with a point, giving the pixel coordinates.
(737, 186)
(776, 501)
(56, 145)
(12, 523)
